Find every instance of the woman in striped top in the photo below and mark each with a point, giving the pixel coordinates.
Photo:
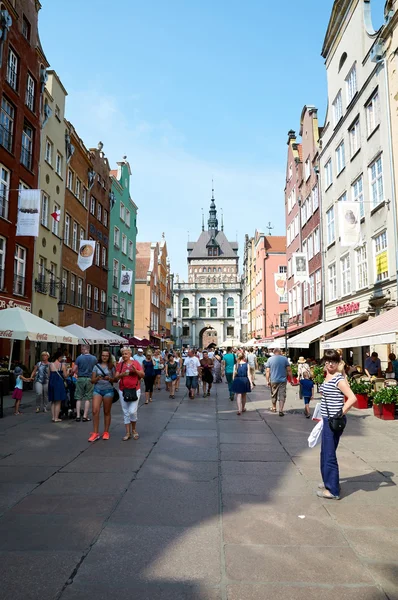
(333, 390)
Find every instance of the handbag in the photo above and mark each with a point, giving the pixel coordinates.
(173, 377)
(130, 395)
(115, 397)
(315, 435)
(63, 379)
(338, 422)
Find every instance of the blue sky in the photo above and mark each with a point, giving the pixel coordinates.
(190, 90)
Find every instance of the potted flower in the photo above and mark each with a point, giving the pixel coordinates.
(362, 390)
(318, 377)
(294, 379)
(384, 403)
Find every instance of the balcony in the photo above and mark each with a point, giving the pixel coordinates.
(41, 284)
(3, 204)
(5, 138)
(53, 289)
(26, 158)
(19, 285)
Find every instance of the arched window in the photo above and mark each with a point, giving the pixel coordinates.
(213, 302)
(213, 307)
(204, 269)
(202, 302)
(342, 60)
(185, 302)
(230, 308)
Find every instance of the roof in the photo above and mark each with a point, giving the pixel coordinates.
(378, 330)
(199, 249)
(304, 339)
(143, 249)
(275, 243)
(113, 172)
(142, 266)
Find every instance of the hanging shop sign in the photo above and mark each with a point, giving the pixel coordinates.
(86, 254)
(28, 219)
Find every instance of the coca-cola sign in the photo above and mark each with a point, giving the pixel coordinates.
(347, 309)
(67, 340)
(41, 337)
(6, 334)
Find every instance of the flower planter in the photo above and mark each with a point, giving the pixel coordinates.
(362, 401)
(385, 412)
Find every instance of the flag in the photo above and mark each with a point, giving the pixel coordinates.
(28, 219)
(300, 266)
(126, 278)
(86, 254)
(349, 223)
(56, 215)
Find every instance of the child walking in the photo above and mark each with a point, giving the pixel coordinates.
(307, 392)
(18, 391)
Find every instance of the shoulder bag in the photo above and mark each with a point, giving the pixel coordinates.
(129, 394)
(338, 422)
(63, 379)
(115, 392)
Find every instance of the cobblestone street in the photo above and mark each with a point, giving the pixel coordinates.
(206, 505)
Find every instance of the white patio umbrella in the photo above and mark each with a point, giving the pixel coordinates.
(113, 338)
(19, 324)
(251, 342)
(105, 339)
(234, 342)
(84, 334)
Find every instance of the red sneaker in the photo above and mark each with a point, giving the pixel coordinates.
(105, 435)
(94, 437)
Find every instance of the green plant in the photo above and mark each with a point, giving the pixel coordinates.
(387, 395)
(318, 374)
(294, 369)
(361, 387)
(261, 360)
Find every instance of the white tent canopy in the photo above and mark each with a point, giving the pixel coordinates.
(233, 342)
(86, 335)
(378, 330)
(113, 338)
(277, 343)
(304, 339)
(19, 324)
(251, 342)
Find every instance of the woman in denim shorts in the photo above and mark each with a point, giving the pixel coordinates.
(103, 377)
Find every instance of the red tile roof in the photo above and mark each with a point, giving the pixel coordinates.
(142, 266)
(114, 173)
(144, 249)
(275, 243)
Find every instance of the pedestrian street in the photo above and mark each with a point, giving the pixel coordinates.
(205, 505)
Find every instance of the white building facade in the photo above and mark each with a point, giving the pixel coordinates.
(355, 165)
(207, 308)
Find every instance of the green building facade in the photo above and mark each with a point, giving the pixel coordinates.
(122, 252)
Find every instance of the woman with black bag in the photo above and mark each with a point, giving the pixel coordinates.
(102, 377)
(333, 411)
(129, 374)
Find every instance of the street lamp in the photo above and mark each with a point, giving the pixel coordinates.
(285, 323)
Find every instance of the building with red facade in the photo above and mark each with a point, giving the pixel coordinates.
(22, 79)
(302, 203)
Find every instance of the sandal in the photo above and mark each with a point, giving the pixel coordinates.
(86, 419)
(135, 435)
(37, 410)
(273, 409)
(327, 495)
(238, 413)
(57, 420)
(281, 413)
(126, 437)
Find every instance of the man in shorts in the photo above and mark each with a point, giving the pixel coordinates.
(84, 365)
(191, 370)
(277, 370)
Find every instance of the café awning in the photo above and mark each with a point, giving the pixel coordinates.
(378, 330)
(307, 337)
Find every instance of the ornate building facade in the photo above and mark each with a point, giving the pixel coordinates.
(207, 308)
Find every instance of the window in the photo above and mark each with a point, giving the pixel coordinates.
(376, 182)
(185, 313)
(89, 297)
(114, 305)
(315, 198)
(124, 243)
(19, 270)
(27, 146)
(330, 225)
(82, 234)
(318, 286)
(97, 254)
(307, 169)
(104, 262)
(72, 291)
(64, 289)
(105, 218)
(122, 212)
(338, 108)
(53, 270)
(54, 222)
(30, 93)
(57, 113)
(96, 299)
(6, 124)
(230, 331)
(103, 301)
(99, 211)
(345, 267)
(303, 213)
(129, 310)
(332, 281)
(289, 268)
(351, 82)
(84, 197)
(127, 217)
(305, 285)
(213, 307)
(92, 205)
(317, 241)
(185, 330)
(26, 28)
(381, 256)
(328, 173)
(58, 164)
(70, 180)
(357, 194)
(4, 191)
(372, 109)
(44, 209)
(78, 187)
(116, 237)
(115, 273)
(74, 236)
(42, 275)
(312, 288)
(230, 308)
(310, 247)
(3, 245)
(122, 306)
(362, 267)
(355, 138)
(131, 248)
(282, 269)
(67, 230)
(185, 302)
(12, 69)
(340, 157)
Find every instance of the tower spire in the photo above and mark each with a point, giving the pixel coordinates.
(203, 220)
(212, 223)
(222, 220)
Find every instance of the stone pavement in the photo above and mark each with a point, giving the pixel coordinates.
(205, 506)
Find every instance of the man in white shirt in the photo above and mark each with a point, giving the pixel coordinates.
(139, 356)
(252, 362)
(191, 371)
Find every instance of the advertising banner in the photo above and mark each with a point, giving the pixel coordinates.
(280, 284)
(126, 278)
(169, 315)
(28, 219)
(300, 267)
(86, 254)
(349, 223)
(244, 317)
